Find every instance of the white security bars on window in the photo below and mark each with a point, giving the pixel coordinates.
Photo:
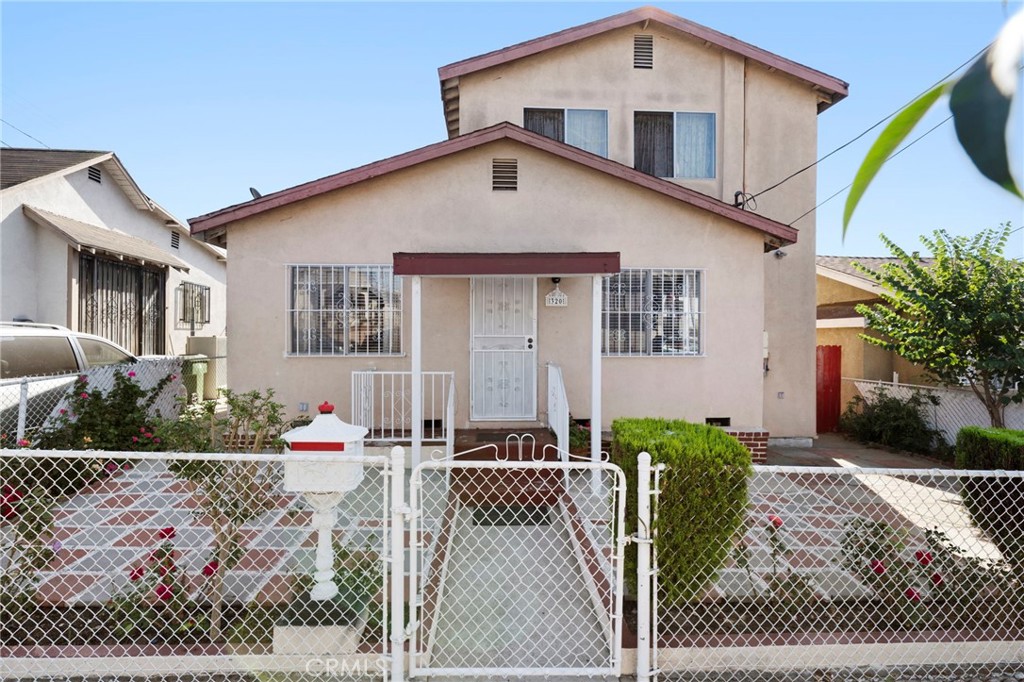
(653, 312)
(344, 310)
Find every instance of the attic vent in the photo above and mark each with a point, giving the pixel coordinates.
(643, 52)
(94, 174)
(504, 175)
(175, 240)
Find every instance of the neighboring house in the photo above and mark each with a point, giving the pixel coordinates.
(84, 247)
(841, 288)
(580, 215)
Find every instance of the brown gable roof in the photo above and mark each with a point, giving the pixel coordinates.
(775, 233)
(18, 165)
(831, 88)
(844, 264)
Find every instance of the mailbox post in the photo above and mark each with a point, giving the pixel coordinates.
(324, 484)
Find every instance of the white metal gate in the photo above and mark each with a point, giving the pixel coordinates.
(516, 567)
(504, 348)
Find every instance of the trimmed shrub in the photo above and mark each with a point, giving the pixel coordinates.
(703, 497)
(890, 420)
(996, 504)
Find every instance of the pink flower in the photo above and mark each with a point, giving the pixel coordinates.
(937, 579)
(923, 558)
(135, 439)
(167, 533)
(173, 377)
(83, 395)
(84, 379)
(111, 467)
(63, 411)
(131, 374)
(211, 568)
(775, 520)
(877, 566)
(912, 594)
(156, 440)
(137, 573)
(164, 592)
(147, 434)
(22, 443)
(142, 429)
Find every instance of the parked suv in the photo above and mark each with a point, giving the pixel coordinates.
(28, 349)
(45, 358)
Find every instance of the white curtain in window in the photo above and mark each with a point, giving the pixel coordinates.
(587, 129)
(695, 145)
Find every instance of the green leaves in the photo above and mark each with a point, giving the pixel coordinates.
(980, 101)
(959, 315)
(981, 111)
(886, 144)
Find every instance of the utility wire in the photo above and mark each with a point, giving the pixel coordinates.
(25, 134)
(880, 122)
(891, 156)
(4, 143)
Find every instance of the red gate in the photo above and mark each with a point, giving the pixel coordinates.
(829, 364)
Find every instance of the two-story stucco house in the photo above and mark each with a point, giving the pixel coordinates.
(84, 247)
(576, 231)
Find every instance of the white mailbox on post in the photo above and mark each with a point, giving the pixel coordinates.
(326, 435)
(323, 484)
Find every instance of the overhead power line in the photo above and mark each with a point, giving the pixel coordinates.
(873, 126)
(24, 133)
(891, 156)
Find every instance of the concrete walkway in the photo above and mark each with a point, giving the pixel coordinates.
(834, 450)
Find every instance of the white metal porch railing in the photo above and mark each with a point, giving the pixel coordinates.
(558, 406)
(382, 402)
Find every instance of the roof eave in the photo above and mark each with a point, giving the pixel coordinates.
(776, 234)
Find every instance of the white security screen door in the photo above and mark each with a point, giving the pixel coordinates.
(503, 348)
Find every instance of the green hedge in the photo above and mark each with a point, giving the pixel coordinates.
(996, 504)
(703, 497)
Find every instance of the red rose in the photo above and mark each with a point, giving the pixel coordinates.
(8, 502)
(164, 592)
(211, 568)
(923, 558)
(912, 594)
(167, 533)
(137, 572)
(775, 520)
(937, 579)
(877, 566)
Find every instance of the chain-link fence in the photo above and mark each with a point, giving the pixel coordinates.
(183, 566)
(517, 568)
(31, 404)
(952, 408)
(850, 574)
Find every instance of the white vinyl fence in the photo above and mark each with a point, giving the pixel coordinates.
(957, 408)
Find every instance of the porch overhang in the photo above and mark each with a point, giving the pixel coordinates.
(465, 264)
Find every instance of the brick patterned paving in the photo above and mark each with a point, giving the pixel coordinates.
(112, 526)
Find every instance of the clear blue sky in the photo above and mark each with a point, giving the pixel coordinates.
(202, 101)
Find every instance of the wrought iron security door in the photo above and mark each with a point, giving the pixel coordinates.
(503, 348)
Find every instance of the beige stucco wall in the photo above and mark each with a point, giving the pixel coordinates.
(39, 270)
(831, 291)
(447, 205)
(766, 125)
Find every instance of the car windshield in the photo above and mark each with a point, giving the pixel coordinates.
(99, 353)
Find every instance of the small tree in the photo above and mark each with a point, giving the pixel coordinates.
(960, 317)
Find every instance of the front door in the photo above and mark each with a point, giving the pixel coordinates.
(503, 346)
